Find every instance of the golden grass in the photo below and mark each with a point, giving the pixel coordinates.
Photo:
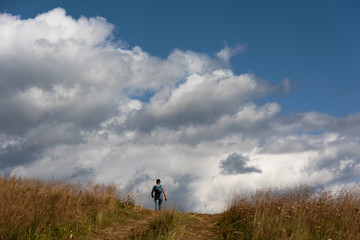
(302, 212)
(36, 209)
(162, 227)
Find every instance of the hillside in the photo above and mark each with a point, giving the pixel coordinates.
(161, 225)
(36, 209)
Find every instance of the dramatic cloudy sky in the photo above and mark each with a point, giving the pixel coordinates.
(210, 97)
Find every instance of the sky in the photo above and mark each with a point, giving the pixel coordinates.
(209, 96)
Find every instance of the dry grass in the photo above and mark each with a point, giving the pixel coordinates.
(171, 224)
(162, 227)
(36, 209)
(301, 212)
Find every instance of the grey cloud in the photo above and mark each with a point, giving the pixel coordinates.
(55, 133)
(31, 146)
(23, 154)
(321, 122)
(80, 175)
(341, 158)
(184, 192)
(134, 182)
(280, 146)
(249, 122)
(236, 164)
(349, 125)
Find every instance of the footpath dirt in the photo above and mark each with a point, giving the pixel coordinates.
(190, 226)
(199, 226)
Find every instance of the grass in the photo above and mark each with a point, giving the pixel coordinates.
(36, 209)
(301, 212)
(163, 227)
(174, 225)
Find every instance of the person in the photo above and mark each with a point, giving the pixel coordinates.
(157, 193)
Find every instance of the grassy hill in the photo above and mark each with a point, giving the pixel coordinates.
(35, 209)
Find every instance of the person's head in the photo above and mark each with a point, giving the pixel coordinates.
(158, 181)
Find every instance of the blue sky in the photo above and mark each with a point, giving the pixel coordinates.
(314, 43)
(201, 94)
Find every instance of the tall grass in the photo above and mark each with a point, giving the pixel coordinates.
(302, 212)
(36, 209)
(162, 227)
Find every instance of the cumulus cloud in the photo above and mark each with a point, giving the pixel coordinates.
(77, 106)
(201, 99)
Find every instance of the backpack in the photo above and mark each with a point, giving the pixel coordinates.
(158, 191)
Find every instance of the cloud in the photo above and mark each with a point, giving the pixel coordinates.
(339, 158)
(77, 106)
(201, 99)
(236, 164)
(227, 52)
(287, 87)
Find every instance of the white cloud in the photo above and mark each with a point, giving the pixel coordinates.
(227, 52)
(68, 111)
(201, 99)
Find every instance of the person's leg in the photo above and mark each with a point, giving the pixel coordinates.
(160, 202)
(156, 204)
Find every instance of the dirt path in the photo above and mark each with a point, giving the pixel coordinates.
(199, 226)
(124, 229)
(191, 226)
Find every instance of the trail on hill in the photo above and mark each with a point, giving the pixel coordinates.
(190, 226)
(125, 228)
(199, 226)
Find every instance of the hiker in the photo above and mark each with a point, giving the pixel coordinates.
(159, 191)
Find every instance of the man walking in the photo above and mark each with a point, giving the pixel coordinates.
(159, 192)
